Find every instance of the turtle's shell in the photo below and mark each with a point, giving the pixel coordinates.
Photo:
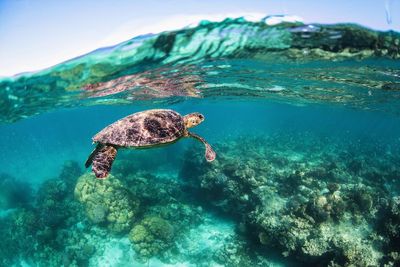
(146, 128)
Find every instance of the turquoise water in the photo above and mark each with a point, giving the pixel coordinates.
(304, 120)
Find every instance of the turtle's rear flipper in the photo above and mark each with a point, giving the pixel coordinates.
(102, 160)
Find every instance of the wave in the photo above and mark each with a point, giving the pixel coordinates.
(290, 61)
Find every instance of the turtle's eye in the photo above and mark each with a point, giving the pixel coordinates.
(201, 116)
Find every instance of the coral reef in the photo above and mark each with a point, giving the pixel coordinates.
(107, 201)
(388, 225)
(167, 214)
(235, 251)
(152, 189)
(316, 206)
(17, 234)
(155, 225)
(152, 236)
(264, 201)
(31, 232)
(14, 193)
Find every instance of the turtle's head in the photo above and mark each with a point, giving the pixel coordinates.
(193, 119)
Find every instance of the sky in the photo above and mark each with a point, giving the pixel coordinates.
(35, 34)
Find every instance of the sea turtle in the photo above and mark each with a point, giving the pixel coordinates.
(142, 130)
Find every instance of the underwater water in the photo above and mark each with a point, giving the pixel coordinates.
(304, 120)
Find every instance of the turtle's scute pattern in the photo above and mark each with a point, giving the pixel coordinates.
(142, 129)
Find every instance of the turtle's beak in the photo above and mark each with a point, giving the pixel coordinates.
(201, 117)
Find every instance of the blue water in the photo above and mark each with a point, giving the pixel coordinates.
(65, 134)
(305, 126)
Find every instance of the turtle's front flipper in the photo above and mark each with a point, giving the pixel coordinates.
(102, 161)
(210, 153)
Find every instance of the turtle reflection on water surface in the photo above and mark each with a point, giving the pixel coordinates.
(142, 130)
